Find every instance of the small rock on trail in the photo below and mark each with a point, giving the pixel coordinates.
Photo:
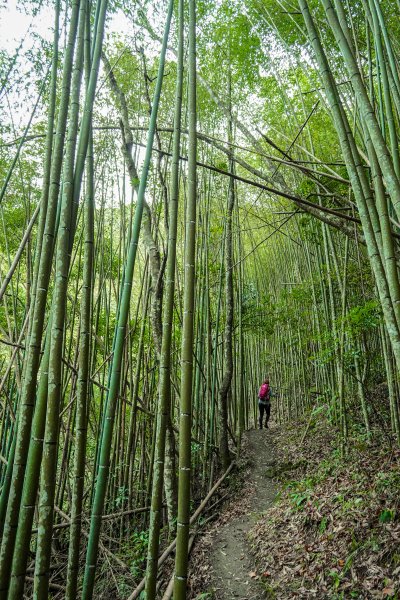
(232, 563)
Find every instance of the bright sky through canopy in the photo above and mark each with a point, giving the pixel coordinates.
(15, 23)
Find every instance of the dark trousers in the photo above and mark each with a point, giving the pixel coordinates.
(264, 408)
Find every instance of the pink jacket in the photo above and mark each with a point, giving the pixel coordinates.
(263, 394)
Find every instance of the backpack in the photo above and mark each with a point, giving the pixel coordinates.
(263, 394)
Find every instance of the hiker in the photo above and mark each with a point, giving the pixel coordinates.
(264, 404)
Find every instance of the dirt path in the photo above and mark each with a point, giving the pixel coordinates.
(231, 560)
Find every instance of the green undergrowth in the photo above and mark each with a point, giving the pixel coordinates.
(334, 531)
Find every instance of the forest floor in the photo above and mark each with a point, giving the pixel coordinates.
(304, 521)
(227, 565)
(233, 571)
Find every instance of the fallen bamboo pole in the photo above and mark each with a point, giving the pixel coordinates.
(109, 517)
(170, 588)
(136, 593)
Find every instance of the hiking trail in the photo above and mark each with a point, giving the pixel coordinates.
(231, 559)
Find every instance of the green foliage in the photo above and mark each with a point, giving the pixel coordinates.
(136, 552)
(323, 525)
(362, 318)
(121, 497)
(308, 231)
(258, 311)
(195, 451)
(298, 499)
(387, 515)
(388, 481)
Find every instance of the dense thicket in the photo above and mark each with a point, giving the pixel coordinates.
(207, 197)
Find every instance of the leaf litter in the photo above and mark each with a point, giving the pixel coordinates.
(334, 530)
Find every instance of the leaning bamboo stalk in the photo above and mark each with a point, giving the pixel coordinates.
(164, 404)
(170, 588)
(115, 370)
(384, 157)
(360, 185)
(19, 252)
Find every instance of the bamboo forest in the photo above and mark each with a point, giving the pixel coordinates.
(199, 299)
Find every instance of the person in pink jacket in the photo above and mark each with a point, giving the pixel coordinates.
(264, 403)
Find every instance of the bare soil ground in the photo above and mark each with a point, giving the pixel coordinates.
(224, 555)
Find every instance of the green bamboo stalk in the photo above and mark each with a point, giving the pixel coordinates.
(38, 315)
(181, 560)
(51, 433)
(165, 355)
(383, 154)
(115, 369)
(84, 362)
(356, 176)
(386, 89)
(226, 384)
